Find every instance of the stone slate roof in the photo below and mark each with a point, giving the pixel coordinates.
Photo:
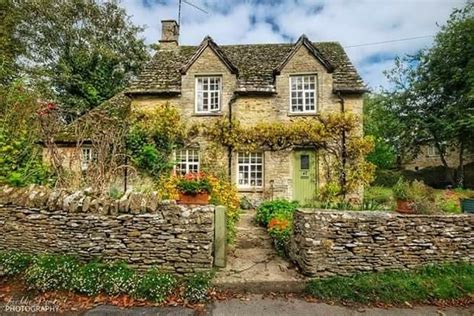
(256, 65)
(116, 108)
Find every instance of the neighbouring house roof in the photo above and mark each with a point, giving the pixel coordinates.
(115, 108)
(254, 64)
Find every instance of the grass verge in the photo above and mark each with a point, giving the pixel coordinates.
(429, 283)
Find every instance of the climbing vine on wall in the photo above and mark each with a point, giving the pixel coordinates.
(345, 160)
(155, 132)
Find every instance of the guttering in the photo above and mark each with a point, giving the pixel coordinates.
(343, 148)
(229, 148)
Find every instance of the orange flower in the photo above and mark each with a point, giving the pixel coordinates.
(280, 224)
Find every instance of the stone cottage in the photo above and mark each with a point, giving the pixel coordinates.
(251, 83)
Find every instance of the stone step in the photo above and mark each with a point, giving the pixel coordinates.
(254, 242)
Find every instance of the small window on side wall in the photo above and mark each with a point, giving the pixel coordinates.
(433, 151)
(208, 94)
(303, 94)
(86, 158)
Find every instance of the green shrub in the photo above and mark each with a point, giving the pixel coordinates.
(423, 197)
(268, 209)
(277, 216)
(13, 262)
(386, 177)
(450, 281)
(197, 286)
(155, 286)
(88, 278)
(115, 192)
(119, 278)
(279, 228)
(51, 272)
(401, 190)
(380, 195)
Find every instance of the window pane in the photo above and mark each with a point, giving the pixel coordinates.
(187, 161)
(304, 162)
(302, 94)
(250, 166)
(208, 94)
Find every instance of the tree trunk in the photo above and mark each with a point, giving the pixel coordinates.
(448, 172)
(460, 176)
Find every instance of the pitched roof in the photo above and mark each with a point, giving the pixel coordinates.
(256, 64)
(304, 41)
(208, 42)
(115, 108)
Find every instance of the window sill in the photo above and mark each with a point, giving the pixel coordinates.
(250, 190)
(303, 114)
(208, 114)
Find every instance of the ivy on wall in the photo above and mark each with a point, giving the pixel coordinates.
(155, 132)
(346, 166)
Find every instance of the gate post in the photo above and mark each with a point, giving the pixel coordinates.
(220, 236)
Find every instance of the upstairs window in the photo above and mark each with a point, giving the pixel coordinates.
(250, 170)
(303, 94)
(187, 161)
(208, 94)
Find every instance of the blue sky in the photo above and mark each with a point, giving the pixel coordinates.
(351, 22)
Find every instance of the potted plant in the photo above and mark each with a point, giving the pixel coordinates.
(401, 193)
(193, 188)
(467, 202)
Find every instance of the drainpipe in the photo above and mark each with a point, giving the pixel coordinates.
(229, 148)
(343, 149)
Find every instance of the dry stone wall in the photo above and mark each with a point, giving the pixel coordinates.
(136, 229)
(343, 242)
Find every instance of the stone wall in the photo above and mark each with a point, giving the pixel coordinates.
(343, 242)
(138, 229)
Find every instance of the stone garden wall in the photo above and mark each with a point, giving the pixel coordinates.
(343, 242)
(137, 228)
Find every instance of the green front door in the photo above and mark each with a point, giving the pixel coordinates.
(304, 176)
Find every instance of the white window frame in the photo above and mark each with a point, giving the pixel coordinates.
(188, 153)
(249, 165)
(199, 97)
(304, 91)
(86, 157)
(432, 151)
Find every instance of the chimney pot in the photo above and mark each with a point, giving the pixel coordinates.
(169, 34)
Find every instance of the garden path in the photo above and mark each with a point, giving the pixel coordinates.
(254, 266)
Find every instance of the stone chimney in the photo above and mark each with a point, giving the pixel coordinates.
(169, 34)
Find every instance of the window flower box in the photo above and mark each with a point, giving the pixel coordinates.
(194, 188)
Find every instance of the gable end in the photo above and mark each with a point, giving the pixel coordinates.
(304, 41)
(208, 42)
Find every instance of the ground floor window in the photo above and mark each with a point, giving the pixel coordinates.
(86, 157)
(250, 170)
(187, 160)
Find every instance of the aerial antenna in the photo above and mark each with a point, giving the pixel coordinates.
(190, 4)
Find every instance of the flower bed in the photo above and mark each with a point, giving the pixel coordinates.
(64, 273)
(277, 217)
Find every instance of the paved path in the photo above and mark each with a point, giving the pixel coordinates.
(254, 266)
(257, 306)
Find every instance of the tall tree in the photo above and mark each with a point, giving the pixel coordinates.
(10, 43)
(392, 137)
(84, 51)
(433, 90)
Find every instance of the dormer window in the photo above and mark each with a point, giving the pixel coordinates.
(208, 94)
(303, 94)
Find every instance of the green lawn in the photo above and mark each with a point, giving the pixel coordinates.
(450, 281)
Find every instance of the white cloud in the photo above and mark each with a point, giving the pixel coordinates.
(350, 22)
